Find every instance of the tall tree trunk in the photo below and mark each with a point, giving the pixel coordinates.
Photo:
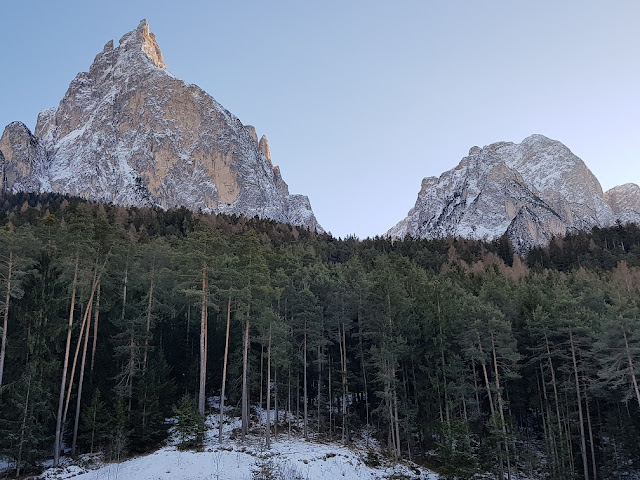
(501, 406)
(131, 366)
(319, 385)
(330, 398)
(224, 370)
(583, 442)
(5, 322)
(275, 404)
(261, 372)
(268, 430)
(546, 423)
(95, 330)
(388, 405)
(289, 403)
(591, 445)
(444, 366)
(306, 400)
(203, 342)
(344, 394)
(84, 330)
(345, 389)
(364, 370)
(567, 433)
(148, 329)
(491, 406)
(245, 392)
(486, 377)
(554, 383)
(475, 386)
(93, 428)
(389, 393)
(80, 382)
(57, 442)
(23, 427)
(634, 380)
(397, 421)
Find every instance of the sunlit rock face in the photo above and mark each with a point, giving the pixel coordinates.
(530, 191)
(130, 132)
(625, 202)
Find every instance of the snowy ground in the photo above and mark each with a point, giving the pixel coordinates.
(290, 458)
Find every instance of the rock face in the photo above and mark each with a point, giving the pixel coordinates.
(22, 158)
(130, 132)
(625, 202)
(530, 191)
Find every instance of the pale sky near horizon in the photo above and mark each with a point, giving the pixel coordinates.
(362, 99)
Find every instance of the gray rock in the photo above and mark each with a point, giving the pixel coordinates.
(530, 191)
(130, 132)
(625, 202)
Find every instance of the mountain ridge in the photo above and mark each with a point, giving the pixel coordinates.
(530, 191)
(130, 132)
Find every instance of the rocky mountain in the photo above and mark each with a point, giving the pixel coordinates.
(129, 132)
(625, 202)
(530, 191)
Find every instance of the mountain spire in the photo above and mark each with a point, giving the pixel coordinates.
(142, 38)
(129, 132)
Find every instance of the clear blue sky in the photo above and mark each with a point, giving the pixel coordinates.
(362, 99)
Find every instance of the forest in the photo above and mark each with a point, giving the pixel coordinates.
(456, 354)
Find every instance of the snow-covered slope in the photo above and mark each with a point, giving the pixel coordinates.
(290, 458)
(129, 132)
(530, 191)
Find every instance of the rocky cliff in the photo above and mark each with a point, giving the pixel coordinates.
(625, 202)
(530, 191)
(129, 132)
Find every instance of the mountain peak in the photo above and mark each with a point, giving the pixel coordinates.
(530, 191)
(625, 202)
(144, 39)
(131, 133)
(264, 147)
(538, 138)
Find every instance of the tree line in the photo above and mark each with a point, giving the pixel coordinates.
(457, 354)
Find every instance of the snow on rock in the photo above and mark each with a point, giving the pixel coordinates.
(129, 132)
(530, 191)
(625, 202)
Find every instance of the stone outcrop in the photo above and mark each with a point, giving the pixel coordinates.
(129, 132)
(530, 191)
(625, 202)
(22, 159)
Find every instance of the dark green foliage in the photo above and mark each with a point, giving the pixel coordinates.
(94, 431)
(24, 436)
(455, 452)
(119, 434)
(450, 346)
(189, 426)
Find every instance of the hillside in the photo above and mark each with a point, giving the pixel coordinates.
(457, 354)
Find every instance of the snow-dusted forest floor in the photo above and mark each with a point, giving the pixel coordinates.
(290, 458)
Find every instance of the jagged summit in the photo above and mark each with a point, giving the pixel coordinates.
(140, 40)
(148, 42)
(530, 191)
(129, 132)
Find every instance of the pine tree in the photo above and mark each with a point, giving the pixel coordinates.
(189, 424)
(93, 431)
